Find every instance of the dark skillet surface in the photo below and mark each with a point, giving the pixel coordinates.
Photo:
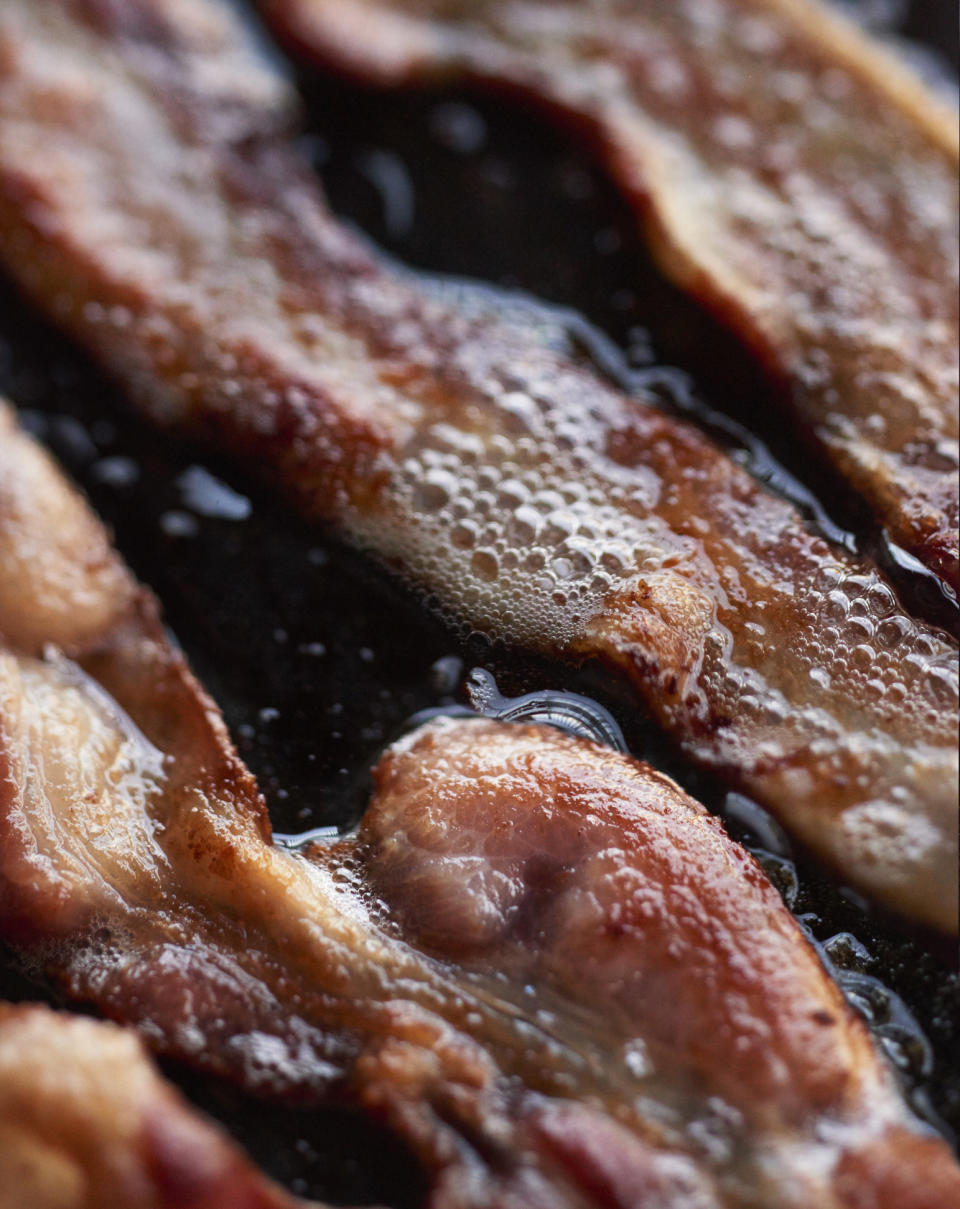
(318, 659)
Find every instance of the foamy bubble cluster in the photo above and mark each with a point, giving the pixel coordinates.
(510, 506)
(864, 636)
(517, 522)
(855, 664)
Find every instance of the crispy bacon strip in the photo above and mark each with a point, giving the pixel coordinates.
(193, 254)
(541, 963)
(787, 173)
(87, 1123)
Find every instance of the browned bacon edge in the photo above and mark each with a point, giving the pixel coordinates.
(856, 322)
(527, 496)
(86, 1122)
(538, 961)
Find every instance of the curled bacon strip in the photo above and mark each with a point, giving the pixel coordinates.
(788, 175)
(193, 254)
(541, 963)
(87, 1123)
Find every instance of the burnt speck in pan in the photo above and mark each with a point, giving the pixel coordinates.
(460, 186)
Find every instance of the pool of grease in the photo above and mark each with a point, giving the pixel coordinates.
(318, 659)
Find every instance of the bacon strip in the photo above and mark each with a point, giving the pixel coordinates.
(87, 1123)
(191, 252)
(787, 174)
(540, 962)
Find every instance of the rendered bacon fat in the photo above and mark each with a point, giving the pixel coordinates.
(187, 247)
(543, 965)
(788, 174)
(87, 1123)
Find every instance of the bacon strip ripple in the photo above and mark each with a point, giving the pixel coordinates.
(168, 228)
(87, 1123)
(542, 964)
(788, 174)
